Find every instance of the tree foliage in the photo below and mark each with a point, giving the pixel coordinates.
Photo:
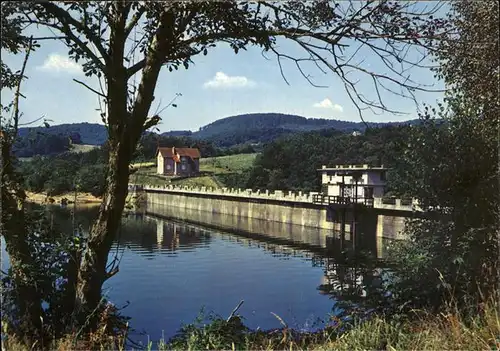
(66, 172)
(41, 144)
(454, 171)
(13, 216)
(291, 163)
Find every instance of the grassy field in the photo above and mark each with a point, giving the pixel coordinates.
(210, 168)
(24, 159)
(227, 164)
(77, 148)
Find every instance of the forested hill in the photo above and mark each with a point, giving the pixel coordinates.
(275, 120)
(89, 133)
(225, 133)
(265, 127)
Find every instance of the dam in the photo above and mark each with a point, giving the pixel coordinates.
(302, 212)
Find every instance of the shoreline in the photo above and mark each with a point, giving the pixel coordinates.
(81, 198)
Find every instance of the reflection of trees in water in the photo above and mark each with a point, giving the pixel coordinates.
(156, 235)
(346, 282)
(62, 217)
(351, 271)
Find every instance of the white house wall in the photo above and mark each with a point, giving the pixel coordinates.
(371, 179)
(159, 159)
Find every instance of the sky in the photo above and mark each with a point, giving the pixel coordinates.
(218, 85)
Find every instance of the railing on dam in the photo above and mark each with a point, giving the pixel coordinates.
(289, 196)
(229, 192)
(323, 199)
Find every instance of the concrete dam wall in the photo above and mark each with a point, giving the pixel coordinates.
(296, 211)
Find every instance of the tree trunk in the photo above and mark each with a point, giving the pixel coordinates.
(125, 128)
(92, 273)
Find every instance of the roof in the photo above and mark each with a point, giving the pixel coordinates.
(182, 151)
(338, 168)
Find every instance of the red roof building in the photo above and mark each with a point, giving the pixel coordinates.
(180, 161)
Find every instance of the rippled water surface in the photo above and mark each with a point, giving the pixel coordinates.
(170, 269)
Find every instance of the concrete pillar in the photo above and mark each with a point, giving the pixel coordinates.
(398, 203)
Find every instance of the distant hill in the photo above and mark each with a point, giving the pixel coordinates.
(178, 133)
(265, 127)
(89, 133)
(226, 132)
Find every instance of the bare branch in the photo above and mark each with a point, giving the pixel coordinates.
(31, 122)
(89, 88)
(136, 68)
(66, 20)
(69, 34)
(170, 103)
(50, 38)
(135, 19)
(17, 94)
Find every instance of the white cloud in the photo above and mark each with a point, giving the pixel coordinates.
(222, 80)
(59, 63)
(328, 104)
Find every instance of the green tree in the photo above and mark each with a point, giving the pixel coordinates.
(91, 178)
(452, 169)
(291, 163)
(13, 222)
(170, 34)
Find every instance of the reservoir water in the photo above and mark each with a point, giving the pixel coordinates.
(171, 269)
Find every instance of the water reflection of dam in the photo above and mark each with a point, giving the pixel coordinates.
(343, 278)
(315, 238)
(293, 233)
(175, 231)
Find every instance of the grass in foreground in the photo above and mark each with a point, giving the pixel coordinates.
(419, 332)
(423, 332)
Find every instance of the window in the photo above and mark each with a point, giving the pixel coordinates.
(169, 167)
(383, 176)
(348, 191)
(183, 167)
(368, 192)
